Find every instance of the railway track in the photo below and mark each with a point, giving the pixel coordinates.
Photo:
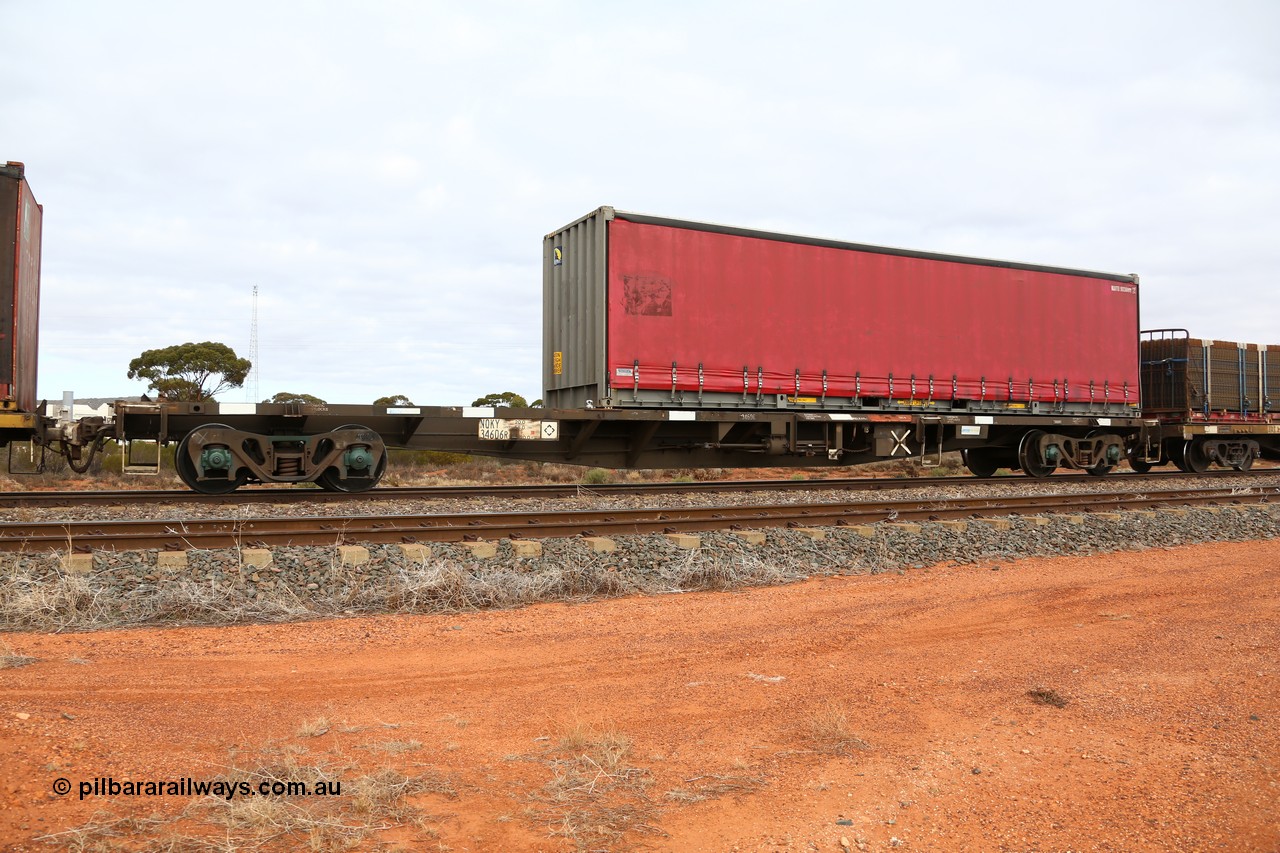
(455, 527)
(278, 495)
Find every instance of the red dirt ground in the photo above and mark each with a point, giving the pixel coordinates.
(1170, 738)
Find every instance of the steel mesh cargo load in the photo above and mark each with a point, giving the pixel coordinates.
(1208, 378)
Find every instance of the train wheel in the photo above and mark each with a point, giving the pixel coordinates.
(1194, 458)
(1138, 464)
(1029, 455)
(190, 475)
(332, 481)
(1176, 456)
(980, 461)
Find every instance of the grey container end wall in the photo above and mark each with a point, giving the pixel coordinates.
(574, 306)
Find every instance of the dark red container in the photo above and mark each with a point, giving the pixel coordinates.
(641, 310)
(20, 223)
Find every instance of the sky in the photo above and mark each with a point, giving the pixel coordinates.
(384, 172)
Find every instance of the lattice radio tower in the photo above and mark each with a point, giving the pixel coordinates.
(253, 350)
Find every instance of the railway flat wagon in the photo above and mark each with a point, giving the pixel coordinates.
(1017, 365)
(20, 226)
(1216, 401)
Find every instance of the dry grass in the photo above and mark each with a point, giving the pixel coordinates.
(397, 746)
(36, 595)
(346, 821)
(350, 818)
(11, 659)
(595, 796)
(382, 794)
(608, 746)
(314, 728)
(1047, 696)
(827, 730)
(52, 603)
(460, 722)
(713, 785)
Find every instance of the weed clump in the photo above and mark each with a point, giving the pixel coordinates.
(828, 730)
(351, 817)
(595, 796)
(11, 659)
(314, 728)
(1047, 696)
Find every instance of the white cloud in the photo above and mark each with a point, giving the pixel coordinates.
(385, 173)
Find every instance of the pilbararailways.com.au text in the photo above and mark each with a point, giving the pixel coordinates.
(188, 787)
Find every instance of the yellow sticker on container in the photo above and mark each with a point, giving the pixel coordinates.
(557, 363)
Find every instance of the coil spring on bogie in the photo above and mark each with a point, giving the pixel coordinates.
(288, 466)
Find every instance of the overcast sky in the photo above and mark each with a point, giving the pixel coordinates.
(384, 172)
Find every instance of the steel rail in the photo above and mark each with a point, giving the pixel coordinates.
(269, 494)
(455, 527)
